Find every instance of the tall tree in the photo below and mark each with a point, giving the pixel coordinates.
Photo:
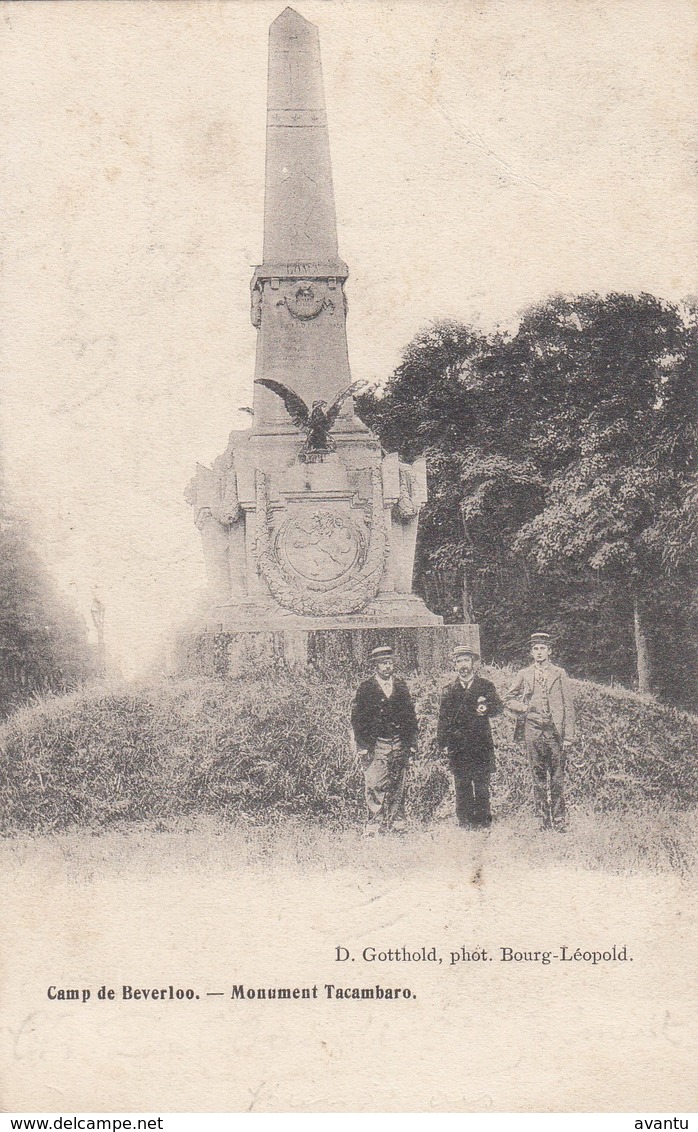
(561, 462)
(617, 445)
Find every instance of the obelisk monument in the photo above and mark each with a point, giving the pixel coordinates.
(297, 293)
(309, 542)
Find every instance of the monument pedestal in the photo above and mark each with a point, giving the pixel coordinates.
(386, 611)
(308, 527)
(425, 649)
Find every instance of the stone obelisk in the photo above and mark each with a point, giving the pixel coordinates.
(309, 559)
(302, 276)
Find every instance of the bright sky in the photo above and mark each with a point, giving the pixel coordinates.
(486, 153)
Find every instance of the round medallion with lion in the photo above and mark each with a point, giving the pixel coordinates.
(319, 547)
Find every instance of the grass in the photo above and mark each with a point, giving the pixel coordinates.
(273, 752)
(646, 842)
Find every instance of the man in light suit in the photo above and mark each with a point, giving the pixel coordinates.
(541, 696)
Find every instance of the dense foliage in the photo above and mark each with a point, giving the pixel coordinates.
(43, 643)
(562, 482)
(265, 749)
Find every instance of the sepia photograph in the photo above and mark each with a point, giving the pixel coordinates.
(348, 532)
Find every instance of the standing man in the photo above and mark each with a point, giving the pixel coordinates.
(464, 731)
(385, 731)
(541, 696)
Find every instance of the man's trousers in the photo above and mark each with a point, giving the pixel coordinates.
(547, 761)
(472, 785)
(384, 779)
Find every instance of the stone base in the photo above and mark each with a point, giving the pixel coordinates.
(418, 649)
(396, 610)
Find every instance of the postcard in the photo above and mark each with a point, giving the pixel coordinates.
(348, 682)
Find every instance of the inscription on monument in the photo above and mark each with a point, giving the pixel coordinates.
(305, 268)
(297, 119)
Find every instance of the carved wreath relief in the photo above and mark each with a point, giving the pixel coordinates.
(306, 300)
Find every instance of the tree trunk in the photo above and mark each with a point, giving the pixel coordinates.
(467, 601)
(644, 674)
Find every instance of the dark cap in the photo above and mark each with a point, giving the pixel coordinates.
(540, 638)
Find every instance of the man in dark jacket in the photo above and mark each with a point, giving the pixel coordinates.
(464, 731)
(385, 731)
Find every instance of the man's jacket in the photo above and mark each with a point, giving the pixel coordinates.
(465, 730)
(560, 698)
(374, 716)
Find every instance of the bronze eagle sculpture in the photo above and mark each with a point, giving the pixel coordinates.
(317, 421)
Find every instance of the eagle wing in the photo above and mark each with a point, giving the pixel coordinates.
(334, 409)
(296, 407)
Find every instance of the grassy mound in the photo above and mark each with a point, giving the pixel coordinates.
(279, 746)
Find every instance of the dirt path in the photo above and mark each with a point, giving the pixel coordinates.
(211, 909)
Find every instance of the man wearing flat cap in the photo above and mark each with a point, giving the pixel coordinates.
(463, 730)
(541, 696)
(385, 731)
